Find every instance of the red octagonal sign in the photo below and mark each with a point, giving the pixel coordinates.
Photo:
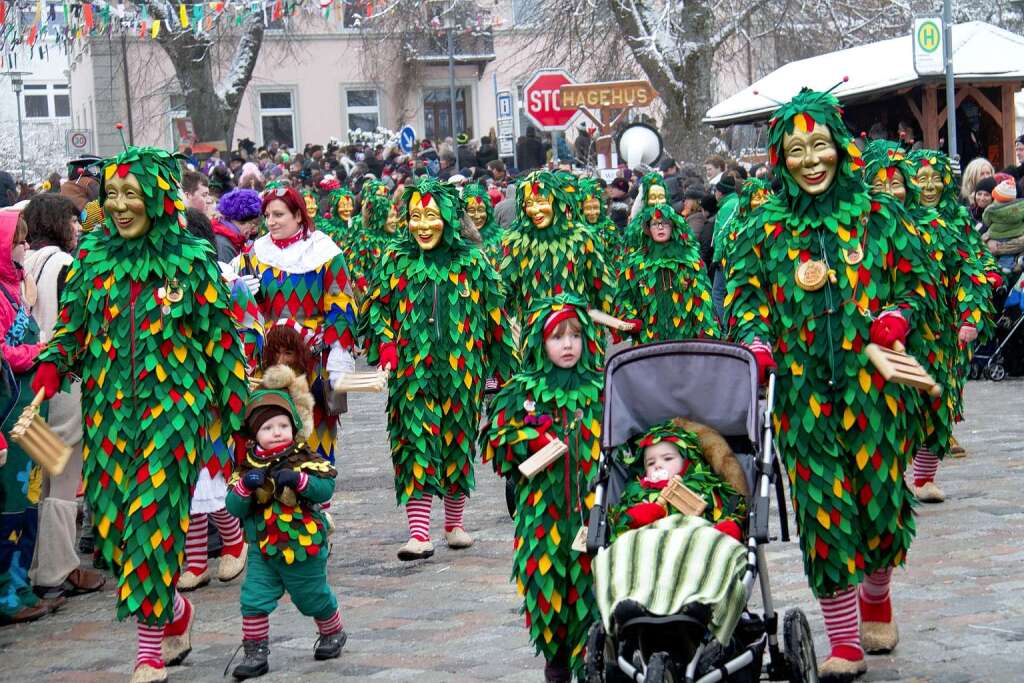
(542, 99)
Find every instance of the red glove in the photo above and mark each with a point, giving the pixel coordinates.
(889, 328)
(643, 514)
(765, 359)
(388, 356)
(46, 378)
(362, 284)
(730, 528)
(996, 279)
(543, 438)
(635, 324)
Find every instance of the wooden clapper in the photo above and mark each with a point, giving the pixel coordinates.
(682, 498)
(896, 366)
(39, 441)
(374, 381)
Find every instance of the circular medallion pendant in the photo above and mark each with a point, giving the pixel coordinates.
(854, 256)
(811, 275)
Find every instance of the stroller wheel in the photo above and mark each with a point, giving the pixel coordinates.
(659, 669)
(996, 372)
(796, 633)
(595, 654)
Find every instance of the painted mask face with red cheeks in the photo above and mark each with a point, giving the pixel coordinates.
(539, 209)
(476, 211)
(811, 155)
(425, 221)
(889, 181)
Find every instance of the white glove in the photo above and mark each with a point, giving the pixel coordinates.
(252, 282)
(3, 457)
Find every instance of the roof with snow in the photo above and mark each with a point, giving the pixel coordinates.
(981, 52)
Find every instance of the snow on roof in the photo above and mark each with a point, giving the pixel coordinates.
(980, 51)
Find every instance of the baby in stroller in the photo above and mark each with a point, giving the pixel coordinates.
(696, 454)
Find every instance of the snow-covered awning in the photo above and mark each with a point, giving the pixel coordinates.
(981, 52)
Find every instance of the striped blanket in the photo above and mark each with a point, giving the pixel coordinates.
(666, 565)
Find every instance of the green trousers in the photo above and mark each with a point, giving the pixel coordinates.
(266, 580)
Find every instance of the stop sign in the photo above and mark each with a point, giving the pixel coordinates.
(543, 101)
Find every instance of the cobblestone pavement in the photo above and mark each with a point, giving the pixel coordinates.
(455, 617)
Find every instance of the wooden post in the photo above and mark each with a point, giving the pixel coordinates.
(930, 115)
(1009, 116)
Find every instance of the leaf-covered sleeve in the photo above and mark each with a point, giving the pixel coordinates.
(69, 331)
(972, 290)
(626, 300)
(747, 306)
(502, 355)
(507, 437)
(914, 271)
(338, 306)
(224, 348)
(376, 323)
(598, 277)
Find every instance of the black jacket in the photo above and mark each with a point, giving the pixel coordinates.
(530, 153)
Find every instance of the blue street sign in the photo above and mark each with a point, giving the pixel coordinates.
(406, 139)
(504, 105)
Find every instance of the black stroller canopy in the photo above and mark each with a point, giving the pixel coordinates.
(711, 382)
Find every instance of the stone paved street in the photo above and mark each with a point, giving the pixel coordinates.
(455, 617)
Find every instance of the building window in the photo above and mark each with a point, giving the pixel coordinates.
(277, 118)
(363, 109)
(46, 101)
(356, 11)
(525, 11)
(437, 113)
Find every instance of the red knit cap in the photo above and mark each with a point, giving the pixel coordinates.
(567, 313)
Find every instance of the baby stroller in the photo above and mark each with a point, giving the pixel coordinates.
(714, 383)
(1005, 355)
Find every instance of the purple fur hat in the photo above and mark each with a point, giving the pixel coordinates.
(240, 205)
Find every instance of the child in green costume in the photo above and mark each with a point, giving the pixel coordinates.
(276, 492)
(556, 396)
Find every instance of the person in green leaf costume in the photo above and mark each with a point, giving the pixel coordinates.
(340, 205)
(555, 396)
(276, 492)
(653, 191)
(369, 234)
(667, 450)
(433, 316)
(595, 215)
(546, 253)
(938, 190)
(478, 207)
(829, 270)
(144, 322)
(960, 304)
(664, 290)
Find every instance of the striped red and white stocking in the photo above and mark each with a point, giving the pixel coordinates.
(256, 628)
(875, 604)
(925, 467)
(841, 624)
(330, 625)
(195, 543)
(149, 639)
(230, 531)
(454, 507)
(417, 511)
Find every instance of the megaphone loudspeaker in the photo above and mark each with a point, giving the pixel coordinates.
(638, 144)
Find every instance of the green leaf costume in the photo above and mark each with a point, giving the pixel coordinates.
(970, 265)
(144, 322)
(635, 230)
(491, 233)
(554, 580)
(841, 429)
(562, 258)
(369, 239)
(665, 286)
(442, 309)
(604, 228)
(957, 292)
(339, 229)
(723, 501)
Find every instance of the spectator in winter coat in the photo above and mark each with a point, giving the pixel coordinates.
(530, 153)
(487, 152)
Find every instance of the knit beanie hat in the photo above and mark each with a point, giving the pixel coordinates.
(267, 403)
(1005, 192)
(986, 185)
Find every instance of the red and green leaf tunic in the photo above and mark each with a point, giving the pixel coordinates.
(307, 282)
(554, 580)
(958, 289)
(723, 501)
(842, 430)
(288, 528)
(562, 258)
(972, 268)
(604, 228)
(442, 311)
(145, 324)
(665, 286)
